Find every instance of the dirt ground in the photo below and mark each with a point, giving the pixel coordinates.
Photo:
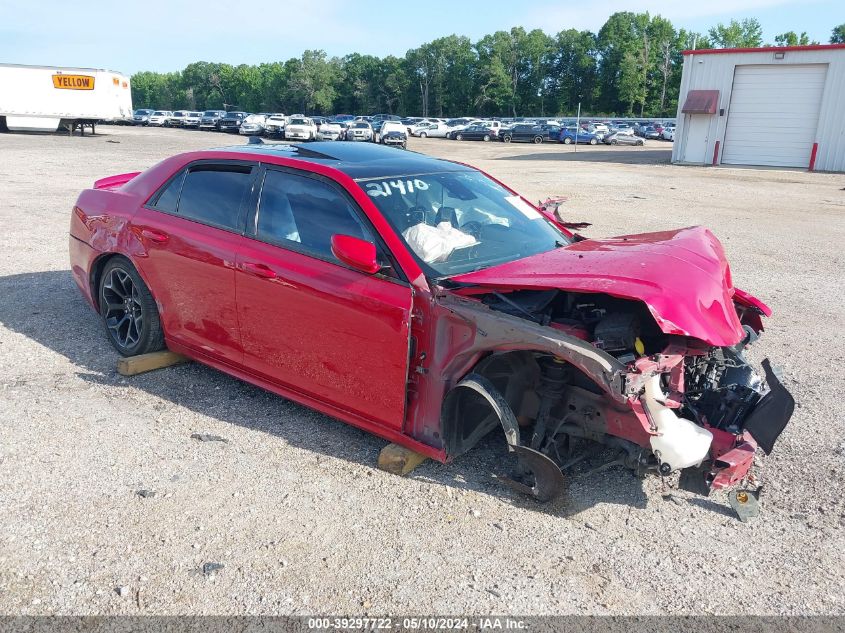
(292, 505)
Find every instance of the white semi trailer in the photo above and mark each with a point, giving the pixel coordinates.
(47, 98)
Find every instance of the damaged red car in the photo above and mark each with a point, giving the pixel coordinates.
(430, 304)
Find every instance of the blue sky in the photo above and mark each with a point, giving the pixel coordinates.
(166, 35)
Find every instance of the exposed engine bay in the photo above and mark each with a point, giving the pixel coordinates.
(669, 403)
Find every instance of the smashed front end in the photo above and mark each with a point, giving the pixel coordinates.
(566, 371)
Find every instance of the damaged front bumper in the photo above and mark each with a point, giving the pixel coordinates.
(662, 412)
(732, 455)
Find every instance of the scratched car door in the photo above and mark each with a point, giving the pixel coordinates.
(307, 321)
(190, 231)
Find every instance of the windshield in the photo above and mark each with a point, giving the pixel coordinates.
(299, 122)
(361, 125)
(210, 113)
(460, 222)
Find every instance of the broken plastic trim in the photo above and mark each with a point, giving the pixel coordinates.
(548, 478)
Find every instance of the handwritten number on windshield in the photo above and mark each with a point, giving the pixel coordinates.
(388, 187)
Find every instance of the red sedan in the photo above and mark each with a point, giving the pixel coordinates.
(428, 303)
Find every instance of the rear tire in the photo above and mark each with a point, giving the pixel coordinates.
(593, 141)
(567, 141)
(486, 138)
(506, 139)
(459, 137)
(423, 134)
(128, 310)
(538, 140)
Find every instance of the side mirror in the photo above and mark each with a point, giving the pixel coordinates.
(357, 253)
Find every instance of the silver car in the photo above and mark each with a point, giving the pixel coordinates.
(622, 138)
(359, 131)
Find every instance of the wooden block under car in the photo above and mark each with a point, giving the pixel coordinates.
(399, 460)
(133, 365)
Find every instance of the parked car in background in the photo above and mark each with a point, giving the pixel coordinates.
(192, 120)
(211, 119)
(330, 131)
(414, 128)
(178, 118)
(622, 138)
(160, 118)
(434, 130)
(141, 116)
(359, 131)
(669, 133)
(275, 124)
(477, 132)
(569, 135)
(651, 132)
(523, 133)
(301, 128)
(384, 117)
(253, 125)
(232, 121)
(456, 128)
(494, 126)
(393, 133)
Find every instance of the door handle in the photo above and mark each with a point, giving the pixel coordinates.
(154, 236)
(259, 270)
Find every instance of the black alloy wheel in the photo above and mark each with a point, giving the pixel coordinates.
(128, 310)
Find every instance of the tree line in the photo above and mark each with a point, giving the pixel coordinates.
(631, 66)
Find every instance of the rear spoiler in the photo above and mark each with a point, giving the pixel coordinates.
(114, 182)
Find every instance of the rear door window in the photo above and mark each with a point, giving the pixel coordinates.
(215, 194)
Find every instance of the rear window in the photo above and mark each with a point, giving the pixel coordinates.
(214, 194)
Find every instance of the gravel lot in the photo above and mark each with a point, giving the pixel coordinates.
(292, 505)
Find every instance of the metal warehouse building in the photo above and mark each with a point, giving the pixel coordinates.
(778, 106)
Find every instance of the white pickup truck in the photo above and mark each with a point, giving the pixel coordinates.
(45, 98)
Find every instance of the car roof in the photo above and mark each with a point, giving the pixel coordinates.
(357, 160)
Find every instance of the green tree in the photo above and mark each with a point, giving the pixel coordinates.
(456, 81)
(496, 67)
(631, 85)
(311, 82)
(422, 63)
(623, 40)
(747, 33)
(837, 36)
(572, 71)
(790, 38)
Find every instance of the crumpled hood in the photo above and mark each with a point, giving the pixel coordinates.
(682, 276)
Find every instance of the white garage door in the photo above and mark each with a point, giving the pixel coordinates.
(773, 114)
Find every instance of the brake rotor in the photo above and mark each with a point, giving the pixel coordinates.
(548, 479)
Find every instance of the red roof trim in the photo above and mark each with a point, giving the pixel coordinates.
(763, 49)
